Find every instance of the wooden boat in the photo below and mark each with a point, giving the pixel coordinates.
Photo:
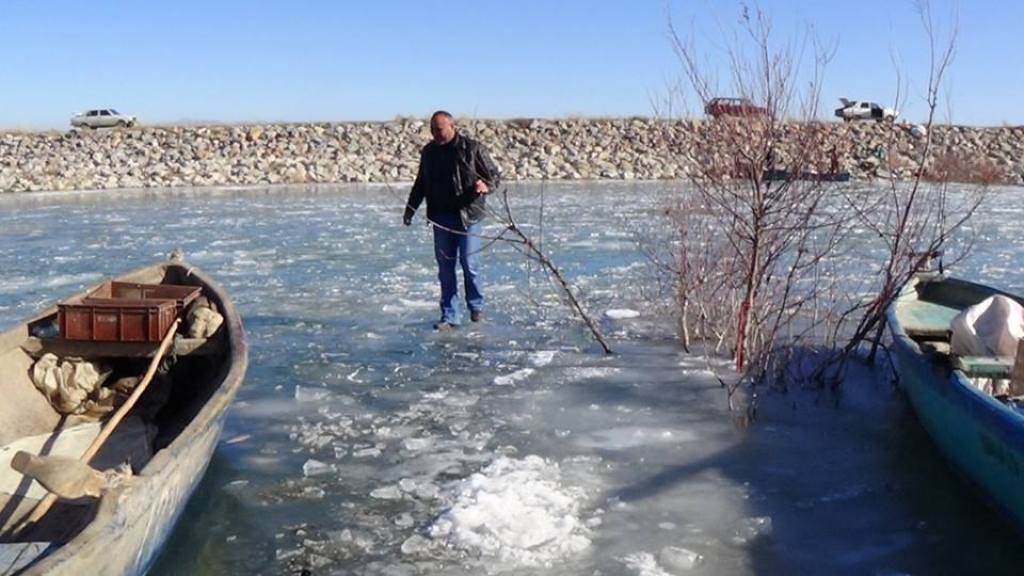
(167, 440)
(981, 435)
(778, 175)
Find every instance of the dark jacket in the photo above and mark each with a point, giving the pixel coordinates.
(471, 163)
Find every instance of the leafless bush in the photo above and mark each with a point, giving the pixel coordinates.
(958, 166)
(914, 220)
(750, 243)
(758, 262)
(523, 123)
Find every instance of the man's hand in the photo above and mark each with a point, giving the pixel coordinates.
(407, 217)
(481, 186)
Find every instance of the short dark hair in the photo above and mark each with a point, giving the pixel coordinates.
(444, 113)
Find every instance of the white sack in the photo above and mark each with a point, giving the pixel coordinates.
(991, 327)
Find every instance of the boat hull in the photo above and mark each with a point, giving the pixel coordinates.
(981, 437)
(135, 520)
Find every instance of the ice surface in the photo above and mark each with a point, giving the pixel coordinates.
(338, 298)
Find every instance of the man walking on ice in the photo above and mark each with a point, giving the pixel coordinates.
(455, 176)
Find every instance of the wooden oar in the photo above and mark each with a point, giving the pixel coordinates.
(47, 502)
(66, 477)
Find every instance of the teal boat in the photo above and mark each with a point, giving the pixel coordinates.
(981, 435)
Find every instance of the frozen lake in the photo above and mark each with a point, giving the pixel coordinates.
(365, 443)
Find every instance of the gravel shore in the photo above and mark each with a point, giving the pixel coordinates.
(533, 149)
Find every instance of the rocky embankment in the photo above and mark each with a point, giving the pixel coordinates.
(388, 151)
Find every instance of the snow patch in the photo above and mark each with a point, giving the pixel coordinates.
(516, 510)
(621, 313)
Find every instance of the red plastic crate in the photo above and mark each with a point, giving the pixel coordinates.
(124, 312)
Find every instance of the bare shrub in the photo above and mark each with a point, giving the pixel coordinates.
(760, 261)
(915, 220)
(749, 243)
(958, 166)
(523, 123)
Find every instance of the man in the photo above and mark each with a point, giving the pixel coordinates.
(455, 176)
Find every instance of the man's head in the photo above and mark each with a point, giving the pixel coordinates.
(442, 127)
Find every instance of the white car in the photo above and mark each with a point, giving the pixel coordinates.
(857, 110)
(104, 118)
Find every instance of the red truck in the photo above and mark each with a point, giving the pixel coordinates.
(733, 107)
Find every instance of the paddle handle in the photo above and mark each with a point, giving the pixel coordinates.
(50, 499)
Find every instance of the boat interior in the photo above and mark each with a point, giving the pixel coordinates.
(927, 315)
(185, 378)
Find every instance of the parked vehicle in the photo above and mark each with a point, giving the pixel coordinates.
(980, 431)
(859, 110)
(120, 523)
(103, 118)
(717, 107)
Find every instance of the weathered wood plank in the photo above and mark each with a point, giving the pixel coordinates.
(36, 347)
(985, 366)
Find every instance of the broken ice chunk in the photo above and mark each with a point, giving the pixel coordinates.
(316, 468)
(307, 394)
(621, 313)
(366, 453)
(751, 528)
(643, 564)
(313, 492)
(510, 379)
(542, 357)
(286, 554)
(679, 558)
(414, 544)
(415, 444)
(405, 520)
(387, 493)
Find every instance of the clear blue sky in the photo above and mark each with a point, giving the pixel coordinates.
(254, 60)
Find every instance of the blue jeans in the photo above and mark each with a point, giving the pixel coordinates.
(462, 245)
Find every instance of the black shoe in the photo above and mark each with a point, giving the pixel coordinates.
(444, 326)
(475, 315)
